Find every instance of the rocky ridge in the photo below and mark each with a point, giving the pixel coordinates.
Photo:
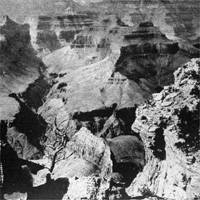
(169, 128)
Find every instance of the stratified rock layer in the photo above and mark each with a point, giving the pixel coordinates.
(169, 128)
(150, 58)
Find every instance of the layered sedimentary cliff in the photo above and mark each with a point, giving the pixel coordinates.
(150, 57)
(69, 133)
(177, 19)
(53, 32)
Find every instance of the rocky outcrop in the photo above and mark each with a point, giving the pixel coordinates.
(96, 168)
(169, 128)
(116, 85)
(150, 58)
(88, 153)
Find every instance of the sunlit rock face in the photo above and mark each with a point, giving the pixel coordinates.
(169, 128)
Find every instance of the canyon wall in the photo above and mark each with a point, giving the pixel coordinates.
(67, 118)
(169, 128)
(21, 82)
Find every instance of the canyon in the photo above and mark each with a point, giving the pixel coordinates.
(100, 100)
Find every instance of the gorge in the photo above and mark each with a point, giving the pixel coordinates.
(100, 100)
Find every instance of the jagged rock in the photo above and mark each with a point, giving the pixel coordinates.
(89, 156)
(106, 90)
(92, 154)
(172, 149)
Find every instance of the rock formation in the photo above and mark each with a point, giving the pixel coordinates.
(116, 85)
(78, 115)
(150, 58)
(53, 32)
(20, 73)
(169, 128)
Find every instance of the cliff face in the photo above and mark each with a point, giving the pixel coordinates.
(116, 85)
(53, 32)
(175, 18)
(74, 114)
(102, 97)
(58, 27)
(20, 72)
(169, 128)
(150, 58)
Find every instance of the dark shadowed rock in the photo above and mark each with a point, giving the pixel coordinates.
(150, 58)
(128, 156)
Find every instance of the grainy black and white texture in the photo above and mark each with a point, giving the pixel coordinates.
(99, 99)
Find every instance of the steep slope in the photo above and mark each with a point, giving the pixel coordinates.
(21, 84)
(19, 65)
(107, 68)
(150, 57)
(169, 128)
(143, 67)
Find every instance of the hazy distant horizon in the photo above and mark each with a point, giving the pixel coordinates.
(19, 9)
